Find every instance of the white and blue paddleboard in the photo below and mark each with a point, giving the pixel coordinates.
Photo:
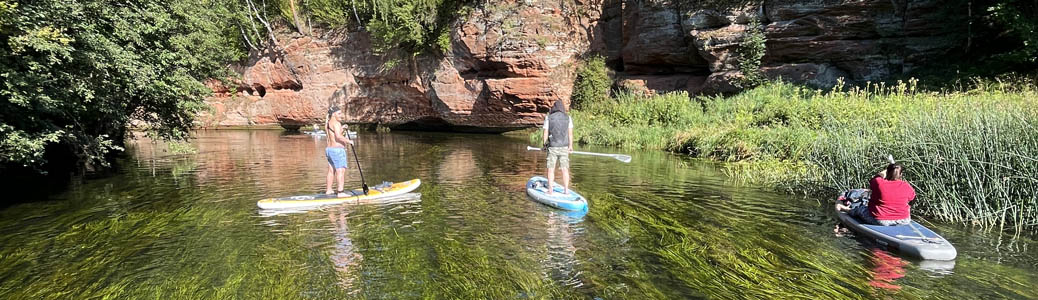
(536, 187)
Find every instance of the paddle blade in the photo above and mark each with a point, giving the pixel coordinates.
(365, 188)
(623, 158)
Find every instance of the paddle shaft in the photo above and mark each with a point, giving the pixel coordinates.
(364, 183)
(594, 154)
(620, 157)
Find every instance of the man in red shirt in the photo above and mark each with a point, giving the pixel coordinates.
(888, 205)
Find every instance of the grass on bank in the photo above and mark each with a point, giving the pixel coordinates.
(972, 154)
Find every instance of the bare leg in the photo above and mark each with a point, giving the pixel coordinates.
(565, 180)
(839, 230)
(341, 176)
(551, 180)
(330, 177)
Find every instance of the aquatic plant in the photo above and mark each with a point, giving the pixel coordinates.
(972, 153)
(659, 228)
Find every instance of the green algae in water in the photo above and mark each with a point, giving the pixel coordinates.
(185, 226)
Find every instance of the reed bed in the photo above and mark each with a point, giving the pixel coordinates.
(972, 153)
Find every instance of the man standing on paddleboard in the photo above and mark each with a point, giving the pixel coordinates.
(558, 139)
(336, 150)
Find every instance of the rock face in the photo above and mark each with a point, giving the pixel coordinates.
(510, 60)
(813, 42)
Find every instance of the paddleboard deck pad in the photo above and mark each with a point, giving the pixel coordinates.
(536, 187)
(380, 191)
(913, 240)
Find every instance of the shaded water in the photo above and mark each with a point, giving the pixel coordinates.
(186, 226)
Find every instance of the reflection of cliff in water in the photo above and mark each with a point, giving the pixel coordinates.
(265, 157)
(458, 166)
(287, 163)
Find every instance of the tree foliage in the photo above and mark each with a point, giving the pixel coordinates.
(75, 73)
(414, 26)
(1018, 18)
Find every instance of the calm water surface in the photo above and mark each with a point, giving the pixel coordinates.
(186, 226)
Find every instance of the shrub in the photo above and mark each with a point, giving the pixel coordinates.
(751, 51)
(592, 83)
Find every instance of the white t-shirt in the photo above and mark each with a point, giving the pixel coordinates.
(546, 121)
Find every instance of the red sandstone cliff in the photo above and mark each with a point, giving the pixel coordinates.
(511, 59)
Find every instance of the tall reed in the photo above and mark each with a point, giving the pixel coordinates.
(971, 153)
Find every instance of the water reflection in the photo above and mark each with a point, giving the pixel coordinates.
(563, 230)
(186, 226)
(343, 256)
(886, 269)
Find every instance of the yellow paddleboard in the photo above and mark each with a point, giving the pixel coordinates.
(381, 191)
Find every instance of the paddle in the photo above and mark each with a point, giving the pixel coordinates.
(364, 183)
(620, 157)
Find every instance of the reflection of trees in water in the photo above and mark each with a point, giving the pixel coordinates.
(344, 256)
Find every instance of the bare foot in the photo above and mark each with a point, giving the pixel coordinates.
(341, 195)
(840, 231)
(329, 192)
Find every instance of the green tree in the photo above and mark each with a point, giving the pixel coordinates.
(1018, 18)
(75, 73)
(411, 26)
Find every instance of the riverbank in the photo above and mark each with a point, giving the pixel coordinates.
(972, 154)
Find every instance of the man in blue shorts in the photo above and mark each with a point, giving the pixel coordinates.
(336, 150)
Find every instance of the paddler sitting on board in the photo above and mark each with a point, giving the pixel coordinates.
(558, 139)
(888, 203)
(336, 150)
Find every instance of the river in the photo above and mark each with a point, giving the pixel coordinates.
(186, 226)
